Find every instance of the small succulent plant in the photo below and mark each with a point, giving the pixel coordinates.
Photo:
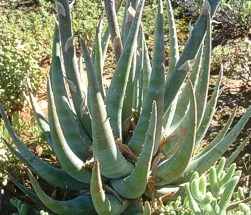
(17, 60)
(138, 139)
(22, 207)
(214, 197)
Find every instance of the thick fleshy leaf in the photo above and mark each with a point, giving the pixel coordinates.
(174, 83)
(206, 160)
(49, 173)
(71, 64)
(147, 68)
(168, 192)
(74, 134)
(106, 37)
(181, 106)
(236, 152)
(218, 138)
(142, 73)
(129, 93)
(147, 208)
(155, 91)
(20, 157)
(81, 205)
(113, 164)
(104, 203)
(73, 164)
(134, 185)
(135, 207)
(99, 62)
(115, 94)
(170, 169)
(113, 27)
(41, 120)
(208, 112)
(227, 195)
(173, 39)
(175, 115)
(203, 82)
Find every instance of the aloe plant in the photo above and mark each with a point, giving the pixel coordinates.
(138, 139)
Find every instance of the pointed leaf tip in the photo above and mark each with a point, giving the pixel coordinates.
(71, 85)
(96, 168)
(185, 67)
(130, 14)
(60, 9)
(161, 7)
(69, 46)
(117, 44)
(206, 9)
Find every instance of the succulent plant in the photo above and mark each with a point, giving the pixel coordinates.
(15, 65)
(215, 200)
(137, 140)
(18, 60)
(22, 207)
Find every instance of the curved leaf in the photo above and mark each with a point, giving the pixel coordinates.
(115, 94)
(104, 203)
(172, 168)
(81, 205)
(155, 91)
(49, 173)
(203, 163)
(71, 64)
(41, 120)
(73, 165)
(134, 185)
(113, 164)
(74, 134)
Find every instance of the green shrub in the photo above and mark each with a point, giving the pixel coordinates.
(235, 56)
(22, 47)
(25, 45)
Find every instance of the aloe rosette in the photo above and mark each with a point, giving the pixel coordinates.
(138, 138)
